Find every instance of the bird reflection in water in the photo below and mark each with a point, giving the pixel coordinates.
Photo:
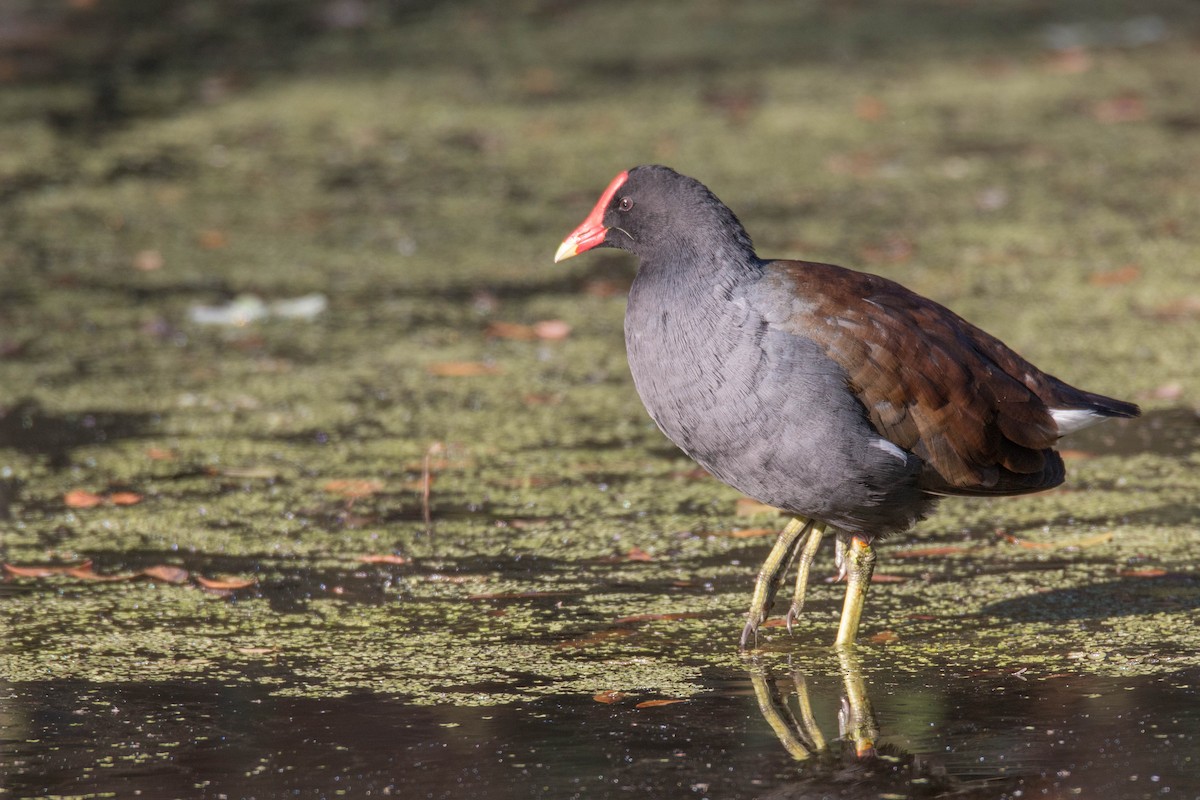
(798, 730)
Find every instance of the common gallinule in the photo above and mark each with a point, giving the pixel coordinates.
(838, 396)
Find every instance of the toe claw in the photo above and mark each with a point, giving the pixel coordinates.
(749, 633)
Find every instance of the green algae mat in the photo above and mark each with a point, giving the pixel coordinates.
(293, 398)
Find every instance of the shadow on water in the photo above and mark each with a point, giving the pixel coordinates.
(767, 732)
(1119, 598)
(1169, 431)
(30, 428)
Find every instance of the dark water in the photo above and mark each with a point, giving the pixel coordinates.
(984, 736)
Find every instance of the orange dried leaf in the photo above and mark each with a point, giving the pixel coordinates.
(552, 330)
(166, 573)
(461, 369)
(1128, 107)
(1116, 277)
(386, 558)
(212, 239)
(638, 554)
(124, 498)
(1171, 390)
(78, 498)
(883, 637)
(353, 488)
(1144, 572)
(880, 577)
(45, 570)
(870, 109)
(160, 454)
(511, 330)
(609, 697)
(656, 703)
(1072, 61)
(224, 582)
(148, 260)
(1182, 308)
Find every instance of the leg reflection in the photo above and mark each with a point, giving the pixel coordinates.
(798, 731)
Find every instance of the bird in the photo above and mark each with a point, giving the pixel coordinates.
(841, 397)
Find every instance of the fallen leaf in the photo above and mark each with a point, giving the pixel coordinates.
(882, 577)
(254, 651)
(510, 330)
(1128, 107)
(609, 697)
(1011, 539)
(353, 488)
(461, 369)
(1116, 277)
(78, 498)
(1181, 308)
(870, 109)
(1074, 544)
(212, 239)
(883, 637)
(1143, 572)
(124, 498)
(45, 570)
(148, 260)
(924, 552)
(638, 554)
(1171, 390)
(1071, 61)
(166, 573)
(159, 454)
(225, 582)
(657, 703)
(552, 330)
(386, 558)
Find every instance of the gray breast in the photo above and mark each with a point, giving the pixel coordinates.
(763, 409)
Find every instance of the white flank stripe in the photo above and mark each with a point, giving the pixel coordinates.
(1070, 420)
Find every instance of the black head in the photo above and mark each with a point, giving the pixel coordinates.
(652, 210)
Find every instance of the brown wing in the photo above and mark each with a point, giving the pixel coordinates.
(931, 382)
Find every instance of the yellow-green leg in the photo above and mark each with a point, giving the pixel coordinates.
(807, 553)
(858, 564)
(770, 575)
(856, 719)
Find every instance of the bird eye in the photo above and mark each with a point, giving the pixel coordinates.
(625, 204)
